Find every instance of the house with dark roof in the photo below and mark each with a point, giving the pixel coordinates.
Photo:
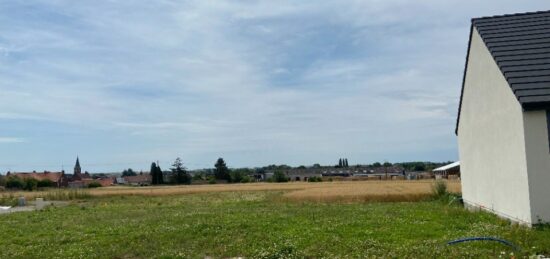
(503, 124)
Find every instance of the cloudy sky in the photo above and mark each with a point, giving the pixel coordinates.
(124, 83)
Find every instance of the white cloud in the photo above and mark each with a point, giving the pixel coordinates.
(264, 82)
(11, 140)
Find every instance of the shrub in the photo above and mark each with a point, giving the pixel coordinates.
(280, 177)
(314, 179)
(439, 190)
(45, 183)
(198, 177)
(94, 185)
(235, 176)
(30, 184)
(212, 180)
(15, 183)
(246, 179)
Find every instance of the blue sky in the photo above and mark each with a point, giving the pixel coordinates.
(125, 83)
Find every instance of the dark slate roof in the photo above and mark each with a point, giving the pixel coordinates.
(520, 45)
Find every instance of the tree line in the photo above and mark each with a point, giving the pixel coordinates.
(179, 174)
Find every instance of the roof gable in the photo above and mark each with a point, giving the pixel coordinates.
(520, 45)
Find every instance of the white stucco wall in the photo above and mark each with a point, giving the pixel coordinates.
(491, 140)
(538, 164)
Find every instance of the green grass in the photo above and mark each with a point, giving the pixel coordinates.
(256, 224)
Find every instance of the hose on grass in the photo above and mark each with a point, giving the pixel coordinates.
(469, 239)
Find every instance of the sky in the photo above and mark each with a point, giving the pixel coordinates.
(125, 83)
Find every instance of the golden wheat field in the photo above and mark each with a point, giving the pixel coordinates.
(342, 191)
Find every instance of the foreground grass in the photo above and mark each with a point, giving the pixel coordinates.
(255, 224)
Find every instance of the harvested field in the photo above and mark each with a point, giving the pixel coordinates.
(384, 191)
(346, 191)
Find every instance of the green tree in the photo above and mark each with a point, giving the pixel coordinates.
(376, 164)
(387, 164)
(14, 182)
(160, 175)
(221, 172)
(179, 173)
(279, 177)
(30, 184)
(156, 174)
(419, 167)
(340, 163)
(236, 176)
(45, 183)
(129, 172)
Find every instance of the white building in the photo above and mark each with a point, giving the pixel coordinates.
(503, 120)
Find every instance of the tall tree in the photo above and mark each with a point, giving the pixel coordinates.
(153, 173)
(346, 162)
(160, 175)
(340, 163)
(179, 173)
(156, 174)
(221, 172)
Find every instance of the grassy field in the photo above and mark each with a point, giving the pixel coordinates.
(265, 223)
(351, 191)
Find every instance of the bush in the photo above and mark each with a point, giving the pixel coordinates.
(45, 183)
(235, 176)
(314, 179)
(212, 180)
(246, 179)
(439, 190)
(15, 183)
(31, 184)
(94, 185)
(279, 177)
(198, 177)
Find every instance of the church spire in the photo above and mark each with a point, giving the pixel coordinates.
(77, 169)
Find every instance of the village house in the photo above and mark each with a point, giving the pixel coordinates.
(503, 122)
(61, 179)
(138, 180)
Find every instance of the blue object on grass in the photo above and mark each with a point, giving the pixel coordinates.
(502, 241)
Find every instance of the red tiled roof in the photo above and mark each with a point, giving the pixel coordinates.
(138, 178)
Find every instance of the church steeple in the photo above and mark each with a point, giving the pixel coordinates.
(77, 169)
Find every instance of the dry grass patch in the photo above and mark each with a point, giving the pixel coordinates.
(383, 191)
(348, 191)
